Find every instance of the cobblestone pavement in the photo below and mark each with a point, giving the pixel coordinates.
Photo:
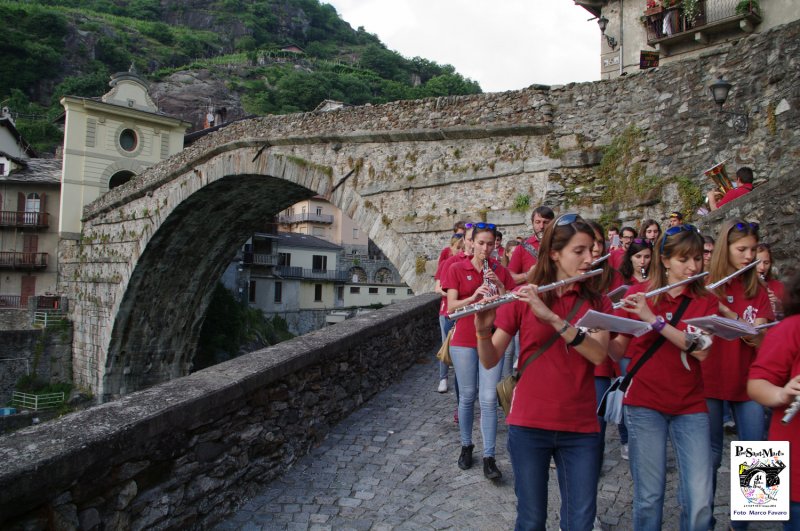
(392, 465)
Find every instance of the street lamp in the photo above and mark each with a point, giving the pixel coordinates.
(603, 23)
(719, 91)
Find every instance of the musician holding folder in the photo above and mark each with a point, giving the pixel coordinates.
(741, 297)
(665, 398)
(553, 406)
(774, 381)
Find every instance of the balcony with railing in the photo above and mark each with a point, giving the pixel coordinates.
(305, 217)
(11, 301)
(310, 274)
(670, 22)
(259, 259)
(24, 261)
(11, 218)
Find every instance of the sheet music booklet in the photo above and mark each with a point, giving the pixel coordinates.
(616, 294)
(602, 321)
(722, 327)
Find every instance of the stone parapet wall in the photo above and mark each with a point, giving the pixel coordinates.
(183, 453)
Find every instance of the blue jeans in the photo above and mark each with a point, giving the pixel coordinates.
(511, 355)
(623, 429)
(793, 524)
(601, 384)
(648, 431)
(445, 325)
(472, 376)
(749, 419)
(575, 455)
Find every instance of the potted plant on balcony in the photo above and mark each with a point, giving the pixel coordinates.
(691, 10)
(745, 7)
(653, 8)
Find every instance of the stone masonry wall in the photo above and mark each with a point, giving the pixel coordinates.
(181, 454)
(46, 353)
(501, 136)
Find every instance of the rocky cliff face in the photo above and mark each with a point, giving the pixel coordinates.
(191, 94)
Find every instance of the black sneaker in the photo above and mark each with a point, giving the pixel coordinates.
(490, 469)
(465, 459)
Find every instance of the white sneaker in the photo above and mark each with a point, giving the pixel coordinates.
(623, 451)
(442, 385)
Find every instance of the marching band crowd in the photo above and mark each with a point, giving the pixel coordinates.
(681, 381)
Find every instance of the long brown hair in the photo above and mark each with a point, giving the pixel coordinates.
(764, 248)
(686, 242)
(732, 231)
(601, 283)
(555, 238)
(647, 223)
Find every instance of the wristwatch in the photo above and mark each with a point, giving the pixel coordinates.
(659, 324)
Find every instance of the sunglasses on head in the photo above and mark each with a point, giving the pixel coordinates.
(566, 219)
(482, 225)
(743, 227)
(641, 241)
(672, 231)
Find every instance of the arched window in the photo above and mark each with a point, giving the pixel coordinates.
(357, 274)
(120, 178)
(384, 276)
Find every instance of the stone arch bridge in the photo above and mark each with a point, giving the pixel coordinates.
(139, 279)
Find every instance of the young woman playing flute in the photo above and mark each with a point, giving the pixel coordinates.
(553, 408)
(665, 399)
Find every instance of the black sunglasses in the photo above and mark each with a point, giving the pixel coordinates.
(458, 235)
(672, 231)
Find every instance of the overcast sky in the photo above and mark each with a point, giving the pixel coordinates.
(501, 44)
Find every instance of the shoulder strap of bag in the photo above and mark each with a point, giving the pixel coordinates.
(530, 248)
(655, 346)
(578, 303)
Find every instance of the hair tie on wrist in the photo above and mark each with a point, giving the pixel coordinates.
(578, 339)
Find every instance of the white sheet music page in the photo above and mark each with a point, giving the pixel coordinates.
(595, 320)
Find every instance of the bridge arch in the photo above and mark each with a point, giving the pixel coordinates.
(145, 267)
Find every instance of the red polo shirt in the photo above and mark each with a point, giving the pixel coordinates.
(462, 276)
(441, 272)
(609, 368)
(521, 259)
(725, 368)
(556, 391)
(778, 361)
(730, 195)
(663, 383)
(616, 257)
(444, 255)
(777, 288)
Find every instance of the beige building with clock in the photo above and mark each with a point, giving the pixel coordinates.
(109, 140)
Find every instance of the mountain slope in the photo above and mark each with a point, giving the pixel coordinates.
(200, 54)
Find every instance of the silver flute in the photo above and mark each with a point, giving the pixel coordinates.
(658, 291)
(791, 411)
(600, 260)
(511, 296)
(733, 275)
